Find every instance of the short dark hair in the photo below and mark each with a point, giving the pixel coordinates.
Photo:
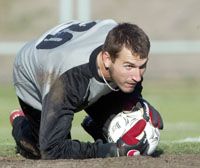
(129, 35)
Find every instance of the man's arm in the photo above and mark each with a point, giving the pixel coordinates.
(58, 109)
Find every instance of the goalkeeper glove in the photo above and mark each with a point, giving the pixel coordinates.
(133, 142)
(149, 113)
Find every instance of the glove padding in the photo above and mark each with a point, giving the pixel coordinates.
(131, 143)
(149, 113)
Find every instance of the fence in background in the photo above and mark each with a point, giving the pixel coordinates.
(157, 47)
(66, 11)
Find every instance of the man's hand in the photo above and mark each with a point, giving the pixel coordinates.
(121, 148)
(137, 148)
(133, 142)
(136, 131)
(149, 113)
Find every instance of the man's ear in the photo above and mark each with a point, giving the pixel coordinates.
(106, 59)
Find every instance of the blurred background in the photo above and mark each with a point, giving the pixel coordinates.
(172, 80)
(173, 27)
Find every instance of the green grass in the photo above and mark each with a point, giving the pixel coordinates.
(8, 102)
(177, 101)
(180, 148)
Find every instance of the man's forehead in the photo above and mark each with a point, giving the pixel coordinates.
(136, 61)
(126, 52)
(131, 57)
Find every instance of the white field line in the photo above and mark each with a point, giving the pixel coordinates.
(189, 139)
(185, 140)
(181, 127)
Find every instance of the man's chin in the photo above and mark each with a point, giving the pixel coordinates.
(127, 90)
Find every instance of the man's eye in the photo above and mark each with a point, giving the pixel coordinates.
(143, 66)
(128, 66)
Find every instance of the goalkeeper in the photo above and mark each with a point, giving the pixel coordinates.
(96, 66)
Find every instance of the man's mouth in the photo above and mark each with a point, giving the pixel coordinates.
(131, 84)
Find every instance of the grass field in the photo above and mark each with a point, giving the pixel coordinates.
(177, 101)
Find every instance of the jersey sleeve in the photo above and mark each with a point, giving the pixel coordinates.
(59, 106)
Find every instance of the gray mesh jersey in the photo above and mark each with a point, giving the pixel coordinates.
(57, 75)
(42, 61)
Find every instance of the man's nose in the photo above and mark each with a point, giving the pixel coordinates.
(136, 76)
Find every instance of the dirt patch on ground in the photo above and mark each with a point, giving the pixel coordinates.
(164, 161)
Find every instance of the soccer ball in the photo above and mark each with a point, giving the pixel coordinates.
(127, 120)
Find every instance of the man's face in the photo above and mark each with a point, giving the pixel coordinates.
(127, 70)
